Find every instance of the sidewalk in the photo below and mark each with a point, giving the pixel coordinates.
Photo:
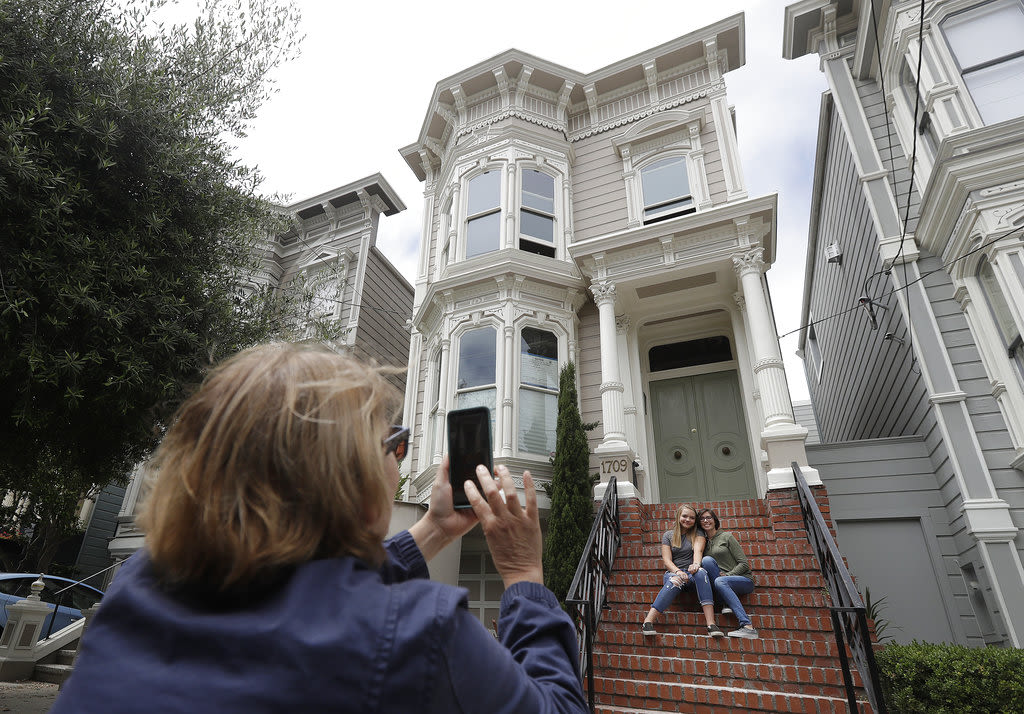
(27, 697)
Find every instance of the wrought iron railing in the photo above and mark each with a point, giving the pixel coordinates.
(61, 594)
(849, 616)
(589, 588)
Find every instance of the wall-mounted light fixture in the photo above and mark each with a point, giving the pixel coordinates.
(834, 253)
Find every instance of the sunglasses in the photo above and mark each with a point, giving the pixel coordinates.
(397, 442)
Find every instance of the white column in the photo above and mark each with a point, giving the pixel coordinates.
(506, 403)
(611, 382)
(510, 208)
(781, 436)
(768, 367)
(442, 402)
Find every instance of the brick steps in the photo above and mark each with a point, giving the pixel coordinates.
(638, 695)
(793, 666)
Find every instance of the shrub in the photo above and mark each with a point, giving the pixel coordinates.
(937, 678)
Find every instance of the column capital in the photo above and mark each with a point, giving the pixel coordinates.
(622, 323)
(741, 302)
(604, 292)
(748, 262)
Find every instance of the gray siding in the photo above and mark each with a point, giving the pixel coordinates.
(589, 373)
(385, 306)
(804, 413)
(93, 555)
(868, 387)
(598, 188)
(887, 480)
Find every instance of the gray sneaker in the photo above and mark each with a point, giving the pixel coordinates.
(726, 610)
(648, 628)
(747, 632)
(715, 631)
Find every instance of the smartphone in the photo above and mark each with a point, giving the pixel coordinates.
(469, 445)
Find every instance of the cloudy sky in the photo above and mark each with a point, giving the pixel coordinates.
(361, 89)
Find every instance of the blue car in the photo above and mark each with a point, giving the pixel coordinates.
(17, 586)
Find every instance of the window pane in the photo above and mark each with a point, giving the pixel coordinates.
(667, 208)
(482, 234)
(538, 191)
(538, 358)
(479, 398)
(986, 34)
(537, 226)
(476, 358)
(664, 181)
(690, 353)
(998, 91)
(484, 192)
(437, 378)
(538, 414)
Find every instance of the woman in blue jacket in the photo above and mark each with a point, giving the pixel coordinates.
(265, 585)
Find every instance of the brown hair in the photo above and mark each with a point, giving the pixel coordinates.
(677, 531)
(276, 460)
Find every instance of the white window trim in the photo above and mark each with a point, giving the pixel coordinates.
(462, 233)
(817, 357)
(667, 134)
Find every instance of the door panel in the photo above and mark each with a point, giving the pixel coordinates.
(728, 472)
(701, 439)
(680, 465)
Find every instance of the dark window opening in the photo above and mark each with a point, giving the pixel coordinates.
(690, 353)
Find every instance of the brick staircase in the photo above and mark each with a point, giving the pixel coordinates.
(793, 667)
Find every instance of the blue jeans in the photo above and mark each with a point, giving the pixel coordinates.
(729, 588)
(669, 591)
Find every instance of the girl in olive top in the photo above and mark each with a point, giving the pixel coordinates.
(728, 570)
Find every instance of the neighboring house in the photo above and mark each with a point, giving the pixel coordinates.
(922, 429)
(601, 218)
(332, 245)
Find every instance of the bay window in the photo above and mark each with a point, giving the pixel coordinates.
(483, 213)
(537, 213)
(538, 390)
(476, 385)
(988, 44)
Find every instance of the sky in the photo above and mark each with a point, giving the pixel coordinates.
(363, 83)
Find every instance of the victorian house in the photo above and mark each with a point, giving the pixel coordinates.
(916, 259)
(332, 249)
(601, 218)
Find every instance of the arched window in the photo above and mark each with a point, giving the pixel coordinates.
(537, 213)
(1009, 333)
(538, 390)
(666, 189)
(483, 214)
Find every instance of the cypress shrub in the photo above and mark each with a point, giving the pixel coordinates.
(940, 678)
(571, 491)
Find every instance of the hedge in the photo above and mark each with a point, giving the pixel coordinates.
(937, 678)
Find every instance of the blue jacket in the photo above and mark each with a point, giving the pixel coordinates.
(337, 637)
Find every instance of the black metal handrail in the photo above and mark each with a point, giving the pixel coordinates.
(587, 594)
(59, 595)
(849, 616)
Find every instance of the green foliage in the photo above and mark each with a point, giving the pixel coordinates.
(875, 608)
(939, 678)
(127, 227)
(571, 491)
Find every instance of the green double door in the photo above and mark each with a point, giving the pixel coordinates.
(700, 438)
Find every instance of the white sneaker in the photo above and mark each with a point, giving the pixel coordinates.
(747, 632)
(726, 610)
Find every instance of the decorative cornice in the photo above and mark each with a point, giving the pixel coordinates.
(649, 111)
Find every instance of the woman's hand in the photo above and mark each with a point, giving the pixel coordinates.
(443, 523)
(694, 567)
(513, 533)
(679, 579)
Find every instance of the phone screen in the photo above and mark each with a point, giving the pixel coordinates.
(469, 445)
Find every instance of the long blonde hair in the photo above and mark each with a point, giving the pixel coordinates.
(677, 531)
(276, 460)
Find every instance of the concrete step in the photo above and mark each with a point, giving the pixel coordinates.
(66, 657)
(52, 673)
